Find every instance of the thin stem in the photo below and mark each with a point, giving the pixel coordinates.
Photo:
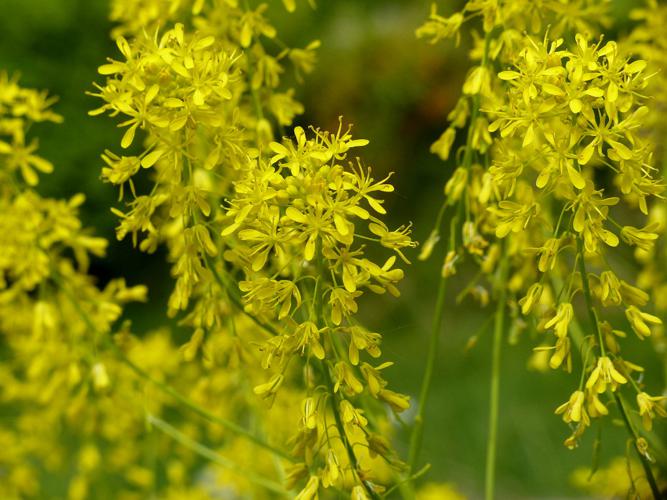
(407, 480)
(352, 457)
(647, 467)
(202, 412)
(231, 294)
(164, 387)
(251, 71)
(619, 402)
(416, 436)
(418, 429)
(214, 457)
(587, 295)
(494, 392)
(467, 157)
(576, 332)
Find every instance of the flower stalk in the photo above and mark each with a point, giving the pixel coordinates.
(494, 391)
(619, 401)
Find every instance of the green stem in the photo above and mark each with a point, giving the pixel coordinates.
(494, 392)
(418, 429)
(251, 71)
(646, 466)
(352, 457)
(214, 457)
(416, 436)
(316, 310)
(587, 295)
(164, 387)
(399, 485)
(202, 412)
(578, 337)
(619, 402)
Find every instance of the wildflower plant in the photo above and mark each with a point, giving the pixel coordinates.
(276, 232)
(554, 116)
(266, 233)
(87, 389)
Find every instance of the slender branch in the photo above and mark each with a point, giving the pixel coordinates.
(587, 295)
(316, 311)
(352, 457)
(406, 480)
(202, 412)
(416, 436)
(619, 402)
(646, 466)
(164, 387)
(251, 72)
(494, 392)
(214, 457)
(418, 429)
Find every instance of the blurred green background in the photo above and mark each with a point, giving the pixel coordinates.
(397, 91)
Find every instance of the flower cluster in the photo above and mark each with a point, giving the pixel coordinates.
(262, 233)
(556, 155)
(19, 108)
(199, 96)
(90, 395)
(298, 218)
(646, 40)
(565, 112)
(55, 370)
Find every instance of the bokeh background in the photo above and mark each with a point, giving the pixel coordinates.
(397, 91)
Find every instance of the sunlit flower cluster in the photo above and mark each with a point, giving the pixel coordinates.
(267, 383)
(264, 232)
(557, 155)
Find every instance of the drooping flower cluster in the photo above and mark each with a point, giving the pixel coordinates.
(87, 398)
(566, 111)
(203, 96)
(259, 232)
(647, 41)
(300, 220)
(19, 108)
(53, 366)
(555, 157)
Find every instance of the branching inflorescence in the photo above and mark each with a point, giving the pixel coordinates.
(275, 232)
(261, 233)
(555, 145)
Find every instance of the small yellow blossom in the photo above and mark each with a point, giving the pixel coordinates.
(604, 374)
(649, 407)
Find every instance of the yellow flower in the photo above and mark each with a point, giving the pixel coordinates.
(531, 298)
(399, 402)
(443, 145)
(439, 27)
(649, 407)
(610, 289)
(639, 321)
(573, 410)
(642, 238)
(548, 255)
(359, 493)
(604, 374)
(561, 321)
(594, 406)
(268, 389)
(309, 492)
